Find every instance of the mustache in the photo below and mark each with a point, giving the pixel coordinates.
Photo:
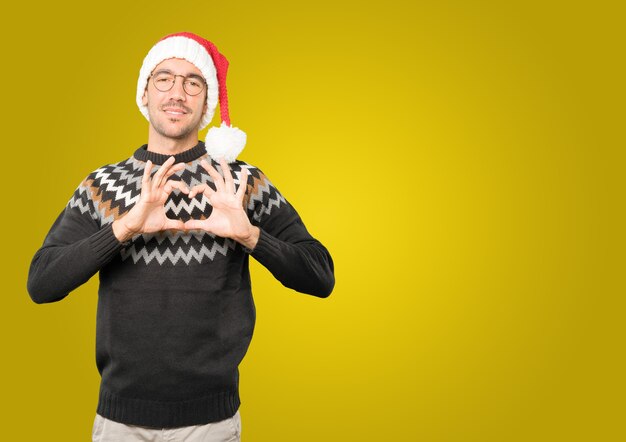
(176, 105)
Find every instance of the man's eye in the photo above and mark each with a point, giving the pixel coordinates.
(193, 83)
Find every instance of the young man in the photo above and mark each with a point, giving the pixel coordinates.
(175, 309)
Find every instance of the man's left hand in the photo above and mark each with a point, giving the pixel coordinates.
(228, 218)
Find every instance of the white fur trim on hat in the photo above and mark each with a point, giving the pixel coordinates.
(194, 53)
(225, 142)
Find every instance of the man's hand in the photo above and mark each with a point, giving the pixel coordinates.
(148, 214)
(228, 218)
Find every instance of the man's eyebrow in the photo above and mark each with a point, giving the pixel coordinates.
(199, 77)
(162, 71)
(167, 71)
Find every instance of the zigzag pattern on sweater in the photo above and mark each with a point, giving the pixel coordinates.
(150, 247)
(112, 190)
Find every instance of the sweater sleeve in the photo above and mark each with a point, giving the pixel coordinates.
(74, 249)
(285, 247)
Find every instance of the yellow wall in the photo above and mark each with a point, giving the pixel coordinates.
(462, 161)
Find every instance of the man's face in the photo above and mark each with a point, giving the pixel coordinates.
(175, 114)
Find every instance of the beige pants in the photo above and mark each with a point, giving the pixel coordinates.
(228, 430)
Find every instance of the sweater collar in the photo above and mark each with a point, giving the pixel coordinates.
(143, 154)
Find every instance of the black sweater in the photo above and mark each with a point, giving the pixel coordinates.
(175, 309)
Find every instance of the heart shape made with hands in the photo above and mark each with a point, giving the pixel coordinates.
(227, 217)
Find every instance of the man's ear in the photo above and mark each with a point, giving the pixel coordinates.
(144, 98)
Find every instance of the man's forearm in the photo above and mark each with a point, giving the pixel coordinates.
(304, 266)
(76, 247)
(65, 262)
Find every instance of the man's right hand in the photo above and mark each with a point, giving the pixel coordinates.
(148, 214)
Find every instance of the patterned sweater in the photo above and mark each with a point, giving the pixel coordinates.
(175, 309)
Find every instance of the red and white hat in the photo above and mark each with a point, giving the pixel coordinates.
(224, 141)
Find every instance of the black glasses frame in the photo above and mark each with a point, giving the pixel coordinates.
(202, 82)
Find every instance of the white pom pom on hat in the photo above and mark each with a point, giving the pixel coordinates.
(221, 142)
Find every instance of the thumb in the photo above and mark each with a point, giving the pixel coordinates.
(174, 224)
(194, 224)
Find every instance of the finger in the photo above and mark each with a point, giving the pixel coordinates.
(145, 180)
(172, 170)
(194, 224)
(167, 189)
(158, 176)
(201, 188)
(174, 224)
(228, 177)
(165, 168)
(217, 178)
(243, 184)
(175, 184)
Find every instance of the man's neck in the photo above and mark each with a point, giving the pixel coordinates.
(170, 146)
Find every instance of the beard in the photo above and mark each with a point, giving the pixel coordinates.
(167, 126)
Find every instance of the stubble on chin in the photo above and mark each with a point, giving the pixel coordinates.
(178, 133)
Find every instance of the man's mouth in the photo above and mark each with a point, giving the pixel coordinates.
(174, 111)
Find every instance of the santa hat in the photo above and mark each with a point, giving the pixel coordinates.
(224, 141)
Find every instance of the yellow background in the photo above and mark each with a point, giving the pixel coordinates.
(462, 161)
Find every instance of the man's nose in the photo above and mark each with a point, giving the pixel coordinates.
(178, 91)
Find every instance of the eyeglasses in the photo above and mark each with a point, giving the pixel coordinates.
(164, 81)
